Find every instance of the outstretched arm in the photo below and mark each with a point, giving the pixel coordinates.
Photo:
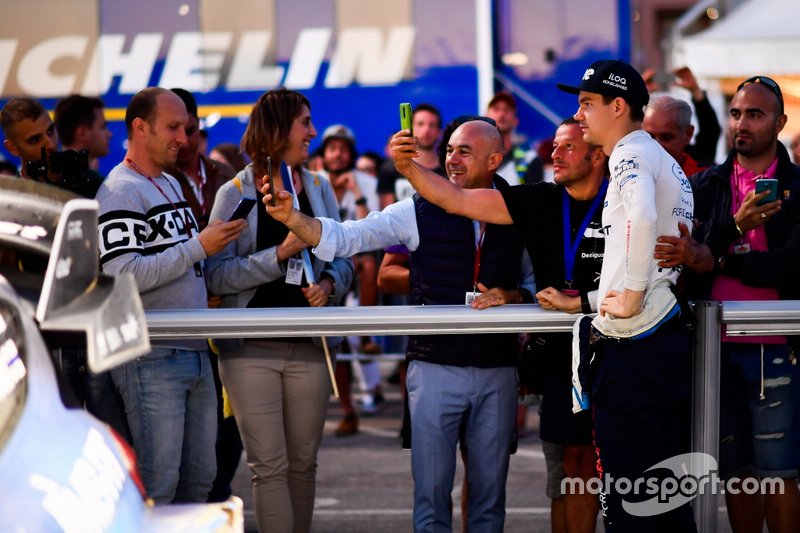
(485, 205)
(330, 238)
(307, 228)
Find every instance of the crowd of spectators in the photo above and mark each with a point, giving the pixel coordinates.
(621, 210)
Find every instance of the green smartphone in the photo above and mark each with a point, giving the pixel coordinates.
(405, 117)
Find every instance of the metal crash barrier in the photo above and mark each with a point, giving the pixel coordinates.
(740, 318)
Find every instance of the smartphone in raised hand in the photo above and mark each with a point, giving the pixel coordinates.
(274, 200)
(405, 118)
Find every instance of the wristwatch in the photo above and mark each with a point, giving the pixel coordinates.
(586, 307)
(333, 284)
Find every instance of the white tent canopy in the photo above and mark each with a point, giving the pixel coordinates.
(759, 36)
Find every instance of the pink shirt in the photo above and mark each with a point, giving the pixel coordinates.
(725, 287)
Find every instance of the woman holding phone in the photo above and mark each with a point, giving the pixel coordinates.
(278, 387)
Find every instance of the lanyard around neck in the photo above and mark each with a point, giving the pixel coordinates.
(476, 268)
(288, 184)
(138, 169)
(570, 247)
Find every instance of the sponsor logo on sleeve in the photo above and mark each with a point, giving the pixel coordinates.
(677, 171)
(624, 166)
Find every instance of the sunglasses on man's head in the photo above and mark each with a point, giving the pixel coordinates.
(769, 83)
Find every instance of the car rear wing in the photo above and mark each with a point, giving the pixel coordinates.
(40, 220)
(76, 296)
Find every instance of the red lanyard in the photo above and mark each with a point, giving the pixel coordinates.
(477, 266)
(138, 169)
(737, 203)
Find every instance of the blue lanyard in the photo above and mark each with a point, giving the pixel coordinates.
(288, 184)
(570, 248)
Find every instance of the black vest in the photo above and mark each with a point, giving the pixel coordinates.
(441, 272)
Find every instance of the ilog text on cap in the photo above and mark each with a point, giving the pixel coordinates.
(613, 78)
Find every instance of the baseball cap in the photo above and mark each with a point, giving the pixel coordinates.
(613, 78)
(339, 131)
(503, 96)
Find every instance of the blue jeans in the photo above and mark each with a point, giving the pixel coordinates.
(171, 409)
(441, 399)
(759, 434)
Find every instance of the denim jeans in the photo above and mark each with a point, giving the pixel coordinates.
(759, 434)
(171, 409)
(441, 399)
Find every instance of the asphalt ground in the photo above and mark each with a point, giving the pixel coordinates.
(364, 480)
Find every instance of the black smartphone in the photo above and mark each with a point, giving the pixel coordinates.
(767, 184)
(243, 209)
(405, 118)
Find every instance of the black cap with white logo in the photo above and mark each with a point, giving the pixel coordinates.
(612, 77)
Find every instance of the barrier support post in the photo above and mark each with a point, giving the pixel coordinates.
(705, 405)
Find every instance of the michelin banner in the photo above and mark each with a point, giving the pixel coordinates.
(356, 60)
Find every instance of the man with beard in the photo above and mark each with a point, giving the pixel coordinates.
(355, 190)
(748, 249)
(29, 132)
(29, 129)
